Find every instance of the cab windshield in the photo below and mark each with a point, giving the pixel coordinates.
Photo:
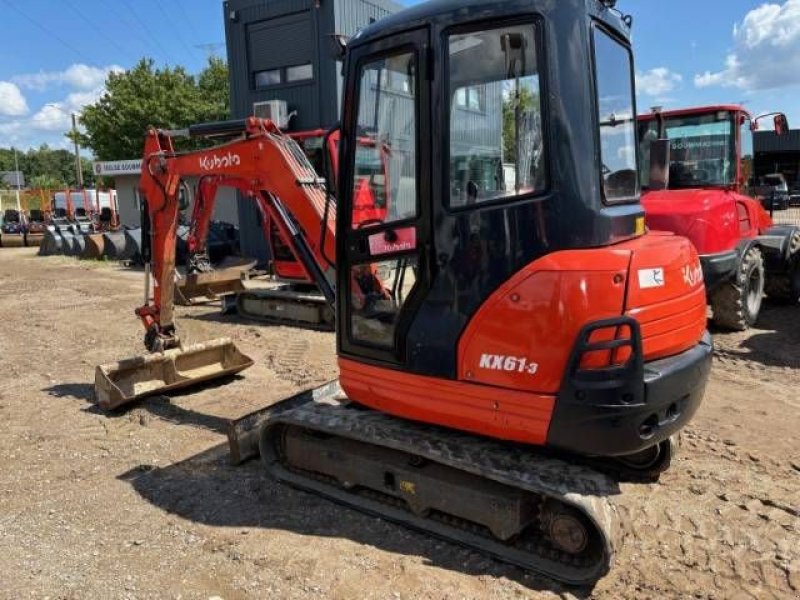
(702, 149)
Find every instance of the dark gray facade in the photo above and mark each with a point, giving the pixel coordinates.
(777, 154)
(283, 50)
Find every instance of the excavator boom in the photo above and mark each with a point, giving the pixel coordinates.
(267, 167)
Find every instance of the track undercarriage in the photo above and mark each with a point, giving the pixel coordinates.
(297, 305)
(540, 512)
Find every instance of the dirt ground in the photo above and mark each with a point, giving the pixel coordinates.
(143, 504)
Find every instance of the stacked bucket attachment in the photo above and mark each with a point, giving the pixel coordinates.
(122, 382)
(199, 288)
(94, 246)
(511, 501)
(114, 245)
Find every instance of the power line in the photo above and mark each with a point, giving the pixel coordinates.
(176, 29)
(48, 32)
(146, 29)
(99, 30)
(184, 12)
(210, 49)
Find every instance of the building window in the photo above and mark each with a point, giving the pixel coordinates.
(472, 98)
(291, 74)
(268, 78)
(300, 72)
(396, 82)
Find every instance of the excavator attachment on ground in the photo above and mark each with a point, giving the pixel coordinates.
(94, 246)
(122, 382)
(198, 288)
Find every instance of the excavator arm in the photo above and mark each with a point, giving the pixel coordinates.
(266, 166)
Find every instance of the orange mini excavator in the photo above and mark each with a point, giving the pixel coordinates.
(296, 300)
(511, 340)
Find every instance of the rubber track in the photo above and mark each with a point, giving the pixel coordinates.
(580, 487)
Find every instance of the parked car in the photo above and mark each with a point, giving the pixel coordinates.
(794, 195)
(773, 191)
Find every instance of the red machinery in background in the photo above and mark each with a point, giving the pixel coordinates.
(705, 197)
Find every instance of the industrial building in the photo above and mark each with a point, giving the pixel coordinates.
(778, 154)
(285, 50)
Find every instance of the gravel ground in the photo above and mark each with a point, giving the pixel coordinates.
(143, 503)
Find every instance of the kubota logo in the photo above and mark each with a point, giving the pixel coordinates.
(692, 276)
(209, 163)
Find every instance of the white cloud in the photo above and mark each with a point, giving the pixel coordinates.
(657, 82)
(766, 53)
(77, 76)
(57, 116)
(12, 102)
(49, 123)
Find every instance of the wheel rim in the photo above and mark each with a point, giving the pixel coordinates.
(755, 289)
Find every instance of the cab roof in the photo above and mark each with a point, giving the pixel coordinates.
(445, 12)
(696, 110)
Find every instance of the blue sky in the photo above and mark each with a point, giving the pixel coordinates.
(56, 54)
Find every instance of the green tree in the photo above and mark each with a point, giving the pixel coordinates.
(214, 90)
(527, 102)
(46, 167)
(147, 96)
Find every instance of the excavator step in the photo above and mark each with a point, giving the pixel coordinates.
(199, 288)
(119, 383)
(510, 501)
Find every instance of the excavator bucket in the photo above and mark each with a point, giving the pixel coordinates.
(199, 288)
(122, 382)
(94, 244)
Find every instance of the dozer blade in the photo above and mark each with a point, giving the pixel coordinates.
(199, 288)
(122, 382)
(34, 239)
(11, 240)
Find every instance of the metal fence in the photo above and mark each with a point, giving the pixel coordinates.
(784, 209)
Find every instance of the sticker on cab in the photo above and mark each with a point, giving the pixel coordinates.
(651, 278)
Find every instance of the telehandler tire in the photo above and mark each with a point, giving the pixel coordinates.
(784, 288)
(737, 303)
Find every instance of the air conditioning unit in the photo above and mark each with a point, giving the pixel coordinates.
(274, 110)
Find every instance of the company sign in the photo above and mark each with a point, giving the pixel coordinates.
(118, 167)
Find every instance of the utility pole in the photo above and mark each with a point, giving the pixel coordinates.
(78, 165)
(16, 178)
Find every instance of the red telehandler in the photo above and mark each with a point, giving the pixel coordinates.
(508, 333)
(704, 195)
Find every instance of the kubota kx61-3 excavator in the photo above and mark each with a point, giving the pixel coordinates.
(509, 313)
